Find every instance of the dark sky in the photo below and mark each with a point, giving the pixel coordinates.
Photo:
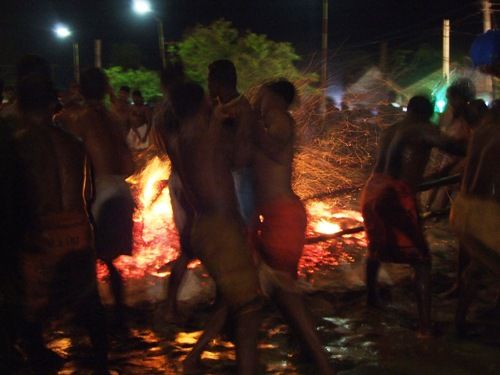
(354, 24)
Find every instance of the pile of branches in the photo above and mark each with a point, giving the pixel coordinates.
(336, 153)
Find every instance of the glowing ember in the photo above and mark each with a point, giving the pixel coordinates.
(323, 219)
(325, 227)
(326, 219)
(156, 241)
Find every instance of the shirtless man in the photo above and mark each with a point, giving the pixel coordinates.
(58, 260)
(280, 231)
(113, 206)
(475, 212)
(389, 206)
(195, 147)
(280, 236)
(238, 132)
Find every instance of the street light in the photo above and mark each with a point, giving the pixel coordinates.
(63, 32)
(142, 7)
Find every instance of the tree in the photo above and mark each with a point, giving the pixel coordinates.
(148, 81)
(256, 57)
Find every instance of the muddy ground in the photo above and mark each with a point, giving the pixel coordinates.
(358, 340)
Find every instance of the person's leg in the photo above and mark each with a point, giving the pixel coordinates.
(466, 295)
(90, 315)
(192, 363)
(89, 312)
(372, 268)
(423, 292)
(247, 323)
(179, 268)
(117, 290)
(463, 261)
(39, 356)
(292, 306)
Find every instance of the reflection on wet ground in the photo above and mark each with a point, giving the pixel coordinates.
(358, 340)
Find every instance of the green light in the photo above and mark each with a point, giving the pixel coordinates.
(440, 105)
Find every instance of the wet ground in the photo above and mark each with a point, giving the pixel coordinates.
(358, 340)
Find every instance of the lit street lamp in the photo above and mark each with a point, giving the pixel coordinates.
(143, 7)
(63, 32)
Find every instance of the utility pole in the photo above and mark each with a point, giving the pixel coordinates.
(324, 62)
(446, 50)
(98, 53)
(161, 41)
(486, 7)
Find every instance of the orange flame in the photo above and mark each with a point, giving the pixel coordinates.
(155, 237)
(156, 241)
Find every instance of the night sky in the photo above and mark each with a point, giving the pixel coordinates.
(354, 24)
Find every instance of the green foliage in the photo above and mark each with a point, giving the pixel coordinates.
(256, 57)
(148, 81)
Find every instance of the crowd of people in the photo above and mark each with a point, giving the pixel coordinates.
(66, 203)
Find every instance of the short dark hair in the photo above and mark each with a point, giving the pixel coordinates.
(172, 73)
(93, 84)
(224, 72)
(462, 88)
(186, 99)
(125, 88)
(420, 107)
(284, 88)
(35, 93)
(32, 64)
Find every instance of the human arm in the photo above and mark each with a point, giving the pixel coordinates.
(274, 133)
(435, 138)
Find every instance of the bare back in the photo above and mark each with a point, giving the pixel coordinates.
(274, 155)
(196, 152)
(405, 149)
(238, 134)
(100, 131)
(55, 168)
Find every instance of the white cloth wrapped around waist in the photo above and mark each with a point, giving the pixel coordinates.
(107, 187)
(478, 218)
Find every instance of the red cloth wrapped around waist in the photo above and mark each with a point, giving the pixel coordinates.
(280, 234)
(390, 215)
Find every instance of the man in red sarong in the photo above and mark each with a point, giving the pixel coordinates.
(281, 224)
(388, 202)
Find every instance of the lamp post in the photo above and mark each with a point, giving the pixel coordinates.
(63, 32)
(142, 7)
